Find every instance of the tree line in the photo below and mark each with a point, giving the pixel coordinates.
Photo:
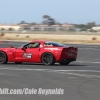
(48, 20)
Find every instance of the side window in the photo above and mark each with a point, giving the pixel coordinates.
(32, 45)
(47, 44)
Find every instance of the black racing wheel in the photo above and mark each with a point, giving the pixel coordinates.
(48, 59)
(3, 58)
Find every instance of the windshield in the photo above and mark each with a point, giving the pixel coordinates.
(22, 45)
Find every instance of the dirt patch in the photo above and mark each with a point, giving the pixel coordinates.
(2, 34)
(83, 39)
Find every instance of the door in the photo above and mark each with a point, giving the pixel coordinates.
(29, 54)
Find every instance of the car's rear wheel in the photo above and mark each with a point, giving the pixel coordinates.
(64, 62)
(3, 58)
(48, 59)
(18, 62)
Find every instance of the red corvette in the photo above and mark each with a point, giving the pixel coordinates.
(39, 51)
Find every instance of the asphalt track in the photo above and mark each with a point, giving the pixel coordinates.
(80, 80)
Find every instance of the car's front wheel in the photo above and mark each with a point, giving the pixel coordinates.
(3, 58)
(48, 59)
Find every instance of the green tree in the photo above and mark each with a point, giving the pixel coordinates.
(48, 20)
(80, 26)
(22, 22)
(90, 25)
(51, 21)
(33, 23)
(46, 16)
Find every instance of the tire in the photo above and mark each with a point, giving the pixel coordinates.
(48, 59)
(18, 62)
(3, 58)
(64, 62)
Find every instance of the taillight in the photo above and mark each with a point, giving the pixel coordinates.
(76, 49)
(65, 50)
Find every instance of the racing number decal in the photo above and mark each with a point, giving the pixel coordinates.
(27, 55)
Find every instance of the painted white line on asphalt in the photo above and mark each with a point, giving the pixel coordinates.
(93, 71)
(20, 69)
(57, 71)
(85, 75)
(38, 69)
(87, 62)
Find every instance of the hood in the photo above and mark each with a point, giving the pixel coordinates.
(9, 48)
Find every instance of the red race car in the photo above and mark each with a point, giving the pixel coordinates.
(39, 51)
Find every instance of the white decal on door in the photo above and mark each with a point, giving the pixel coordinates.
(27, 55)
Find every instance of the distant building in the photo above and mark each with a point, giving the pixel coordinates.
(52, 27)
(69, 27)
(38, 27)
(97, 28)
(9, 27)
(25, 26)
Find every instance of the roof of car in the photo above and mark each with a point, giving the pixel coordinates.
(39, 41)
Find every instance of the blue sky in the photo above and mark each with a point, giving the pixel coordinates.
(71, 11)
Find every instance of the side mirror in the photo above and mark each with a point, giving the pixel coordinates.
(11, 47)
(23, 48)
